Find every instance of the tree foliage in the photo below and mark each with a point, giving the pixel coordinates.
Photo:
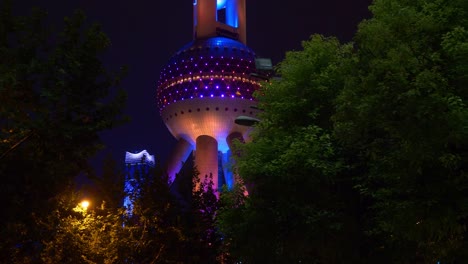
(160, 228)
(204, 244)
(56, 96)
(94, 235)
(155, 219)
(361, 152)
(297, 207)
(403, 116)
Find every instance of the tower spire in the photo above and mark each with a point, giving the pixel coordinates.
(225, 18)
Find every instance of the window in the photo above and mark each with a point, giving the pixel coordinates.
(221, 15)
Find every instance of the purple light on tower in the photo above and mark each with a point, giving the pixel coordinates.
(194, 95)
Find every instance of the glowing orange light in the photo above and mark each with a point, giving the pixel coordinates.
(84, 204)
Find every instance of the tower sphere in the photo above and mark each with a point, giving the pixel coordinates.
(205, 86)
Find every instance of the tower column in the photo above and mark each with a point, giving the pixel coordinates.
(236, 136)
(204, 19)
(241, 11)
(229, 176)
(178, 156)
(206, 159)
(233, 137)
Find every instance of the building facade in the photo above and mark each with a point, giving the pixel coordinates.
(137, 167)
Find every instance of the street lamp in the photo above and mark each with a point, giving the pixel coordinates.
(84, 204)
(82, 207)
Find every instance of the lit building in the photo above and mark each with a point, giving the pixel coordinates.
(205, 86)
(137, 166)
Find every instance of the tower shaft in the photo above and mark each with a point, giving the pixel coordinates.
(178, 156)
(213, 18)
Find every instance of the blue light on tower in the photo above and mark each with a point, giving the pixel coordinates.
(227, 12)
(221, 4)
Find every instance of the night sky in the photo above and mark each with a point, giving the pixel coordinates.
(145, 34)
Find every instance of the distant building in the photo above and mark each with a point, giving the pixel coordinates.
(137, 166)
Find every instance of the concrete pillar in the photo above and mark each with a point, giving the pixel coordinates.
(242, 24)
(233, 137)
(227, 169)
(178, 156)
(206, 159)
(233, 177)
(229, 176)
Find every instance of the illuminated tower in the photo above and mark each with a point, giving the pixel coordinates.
(206, 85)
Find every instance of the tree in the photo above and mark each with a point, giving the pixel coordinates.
(56, 97)
(402, 119)
(107, 232)
(299, 209)
(86, 235)
(197, 213)
(110, 186)
(160, 228)
(365, 143)
(203, 237)
(155, 217)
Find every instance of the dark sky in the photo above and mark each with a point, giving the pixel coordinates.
(145, 34)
